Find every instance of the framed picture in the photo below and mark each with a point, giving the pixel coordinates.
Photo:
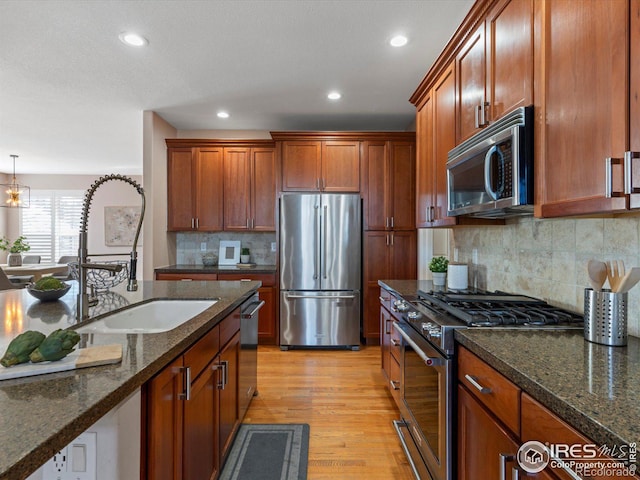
(229, 252)
(120, 225)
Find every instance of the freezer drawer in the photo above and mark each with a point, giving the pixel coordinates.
(319, 319)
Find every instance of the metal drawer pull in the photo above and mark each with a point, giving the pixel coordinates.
(382, 299)
(394, 385)
(504, 459)
(214, 368)
(186, 379)
(629, 157)
(475, 383)
(395, 342)
(608, 177)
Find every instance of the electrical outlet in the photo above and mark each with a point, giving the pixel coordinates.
(203, 246)
(76, 461)
(273, 246)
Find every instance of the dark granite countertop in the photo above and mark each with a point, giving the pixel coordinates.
(42, 414)
(216, 269)
(594, 388)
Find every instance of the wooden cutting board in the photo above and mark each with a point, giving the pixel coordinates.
(85, 357)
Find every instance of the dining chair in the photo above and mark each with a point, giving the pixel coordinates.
(31, 259)
(5, 283)
(23, 280)
(62, 260)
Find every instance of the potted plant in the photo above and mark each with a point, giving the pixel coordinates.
(438, 267)
(15, 249)
(244, 255)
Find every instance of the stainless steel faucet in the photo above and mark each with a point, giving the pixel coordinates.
(84, 301)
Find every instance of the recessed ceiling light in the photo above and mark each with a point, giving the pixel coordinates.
(334, 96)
(223, 115)
(398, 41)
(133, 39)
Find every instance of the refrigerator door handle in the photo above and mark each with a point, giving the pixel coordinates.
(324, 245)
(316, 247)
(339, 297)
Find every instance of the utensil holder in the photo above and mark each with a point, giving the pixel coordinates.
(605, 317)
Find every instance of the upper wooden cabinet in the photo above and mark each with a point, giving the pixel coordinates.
(250, 188)
(494, 67)
(211, 185)
(319, 161)
(194, 189)
(388, 184)
(586, 105)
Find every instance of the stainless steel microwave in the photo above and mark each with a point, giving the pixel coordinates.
(490, 175)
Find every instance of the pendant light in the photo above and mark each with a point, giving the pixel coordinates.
(17, 196)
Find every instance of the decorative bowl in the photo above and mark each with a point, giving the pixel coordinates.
(48, 295)
(103, 280)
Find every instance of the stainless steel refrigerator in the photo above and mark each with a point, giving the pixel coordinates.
(320, 270)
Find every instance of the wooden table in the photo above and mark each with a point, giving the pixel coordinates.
(36, 269)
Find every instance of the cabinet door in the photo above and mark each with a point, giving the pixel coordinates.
(237, 188)
(340, 166)
(375, 181)
(229, 412)
(481, 440)
(425, 179)
(471, 74)
(509, 56)
(444, 118)
(165, 422)
(263, 189)
(201, 460)
(634, 107)
(180, 192)
(376, 267)
(209, 189)
(585, 113)
(267, 325)
(403, 255)
(402, 199)
(300, 165)
(385, 340)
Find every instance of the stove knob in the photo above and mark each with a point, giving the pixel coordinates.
(401, 305)
(427, 326)
(435, 333)
(414, 315)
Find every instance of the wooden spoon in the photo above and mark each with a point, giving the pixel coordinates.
(629, 280)
(597, 272)
(615, 272)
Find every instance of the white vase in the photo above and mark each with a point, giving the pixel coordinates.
(439, 278)
(244, 258)
(14, 260)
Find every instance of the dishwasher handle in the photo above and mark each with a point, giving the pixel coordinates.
(258, 306)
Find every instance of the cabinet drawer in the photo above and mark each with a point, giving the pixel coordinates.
(395, 343)
(497, 393)
(539, 423)
(386, 298)
(267, 279)
(186, 276)
(199, 355)
(395, 380)
(229, 326)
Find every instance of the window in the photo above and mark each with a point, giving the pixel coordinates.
(52, 223)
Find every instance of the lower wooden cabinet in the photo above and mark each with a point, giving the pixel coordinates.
(191, 408)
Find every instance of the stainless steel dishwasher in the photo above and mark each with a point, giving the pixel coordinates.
(248, 374)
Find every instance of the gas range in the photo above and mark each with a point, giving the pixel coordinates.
(436, 314)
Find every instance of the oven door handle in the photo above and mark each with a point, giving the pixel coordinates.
(429, 361)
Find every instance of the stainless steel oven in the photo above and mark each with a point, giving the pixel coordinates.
(427, 425)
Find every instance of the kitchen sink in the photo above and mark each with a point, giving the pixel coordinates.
(154, 317)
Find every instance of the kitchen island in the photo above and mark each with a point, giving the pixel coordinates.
(42, 414)
(594, 388)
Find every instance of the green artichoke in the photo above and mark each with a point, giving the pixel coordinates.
(56, 346)
(21, 347)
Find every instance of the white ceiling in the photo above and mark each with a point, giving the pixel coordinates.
(72, 95)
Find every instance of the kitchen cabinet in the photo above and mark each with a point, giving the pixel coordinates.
(494, 67)
(390, 345)
(186, 277)
(388, 181)
(321, 165)
(585, 106)
(268, 332)
(386, 255)
(191, 407)
(249, 188)
(194, 189)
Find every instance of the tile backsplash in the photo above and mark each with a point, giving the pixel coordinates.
(548, 258)
(188, 251)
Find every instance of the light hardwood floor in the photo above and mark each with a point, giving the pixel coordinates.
(342, 395)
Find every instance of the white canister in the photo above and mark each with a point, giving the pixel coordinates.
(457, 276)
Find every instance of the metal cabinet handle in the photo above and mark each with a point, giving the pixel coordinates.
(382, 299)
(504, 459)
(392, 235)
(225, 374)
(387, 327)
(391, 222)
(186, 384)
(608, 176)
(386, 222)
(246, 224)
(193, 223)
(474, 382)
(215, 367)
(394, 385)
(197, 223)
(395, 342)
(477, 115)
(387, 235)
(432, 211)
(629, 157)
